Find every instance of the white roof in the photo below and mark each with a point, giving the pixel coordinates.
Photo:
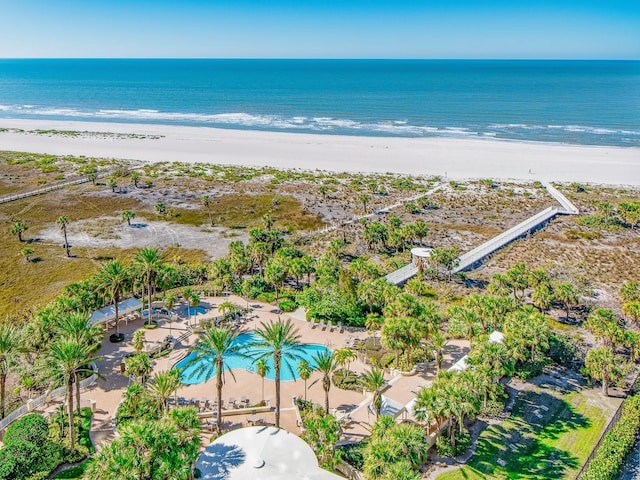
(260, 453)
(460, 366)
(421, 252)
(496, 337)
(389, 407)
(109, 312)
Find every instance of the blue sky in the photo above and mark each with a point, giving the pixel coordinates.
(321, 28)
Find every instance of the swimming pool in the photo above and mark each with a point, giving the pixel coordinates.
(197, 310)
(193, 374)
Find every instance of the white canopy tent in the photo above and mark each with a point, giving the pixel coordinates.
(108, 313)
(260, 453)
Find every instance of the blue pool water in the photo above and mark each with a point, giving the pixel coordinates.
(192, 374)
(197, 310)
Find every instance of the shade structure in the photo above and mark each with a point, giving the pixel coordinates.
(389, 407)
(108, 313)
(460, 366)
(260, 453)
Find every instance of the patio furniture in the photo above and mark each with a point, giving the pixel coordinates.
(340, 327)
(330, 326)
(232, 401)
(244, 400)
(323, 325)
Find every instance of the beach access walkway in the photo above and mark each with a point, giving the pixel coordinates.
(473, 257)
(51, 188)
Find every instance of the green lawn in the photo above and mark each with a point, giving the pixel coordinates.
(553, 446)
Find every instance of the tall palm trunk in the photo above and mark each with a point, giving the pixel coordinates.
(66, 242)
(72, 431)
(3, 381)
(326, 385)
(276, 366)
(219, 390)
(149, 298)
(77, 382)
(116, 300)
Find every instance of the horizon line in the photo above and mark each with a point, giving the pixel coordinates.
(493, 59)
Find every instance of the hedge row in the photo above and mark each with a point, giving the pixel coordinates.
(616, 444)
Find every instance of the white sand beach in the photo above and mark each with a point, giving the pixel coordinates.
(451, 158)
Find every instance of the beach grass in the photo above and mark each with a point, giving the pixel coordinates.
(534, 443)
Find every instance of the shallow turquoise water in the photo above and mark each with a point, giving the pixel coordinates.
(197, 310)
(194, 374)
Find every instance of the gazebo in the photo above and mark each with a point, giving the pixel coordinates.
(108, 313)
(420, 257)
(260, 453)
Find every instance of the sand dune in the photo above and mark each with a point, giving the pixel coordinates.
(454, 158)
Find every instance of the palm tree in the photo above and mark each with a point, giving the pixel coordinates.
(18, 228)
(127, 215)
(344, 356)
(138, 341)
(604, 365)
(194, 299)
(326, 365)
(162, 386)
(170, 301)
(262, 368)
(63, 222)
(114, 279)
(26, 252)
(66, 360)
(215, 345)
(305, 371)
(148, 261)
(281, 341)
(566, 294)
(438, 342)
(9, 345)
(207, 203)
(373, 381)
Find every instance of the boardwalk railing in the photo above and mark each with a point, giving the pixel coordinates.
(45, 398)
(402, 275)
(40, 191)
(569, 208)
(499, 241)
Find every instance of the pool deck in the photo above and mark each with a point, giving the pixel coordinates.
(349, 405)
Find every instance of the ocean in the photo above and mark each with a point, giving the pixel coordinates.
(573, 102)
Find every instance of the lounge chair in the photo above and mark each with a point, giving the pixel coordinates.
(232, 402)
(323, 324)
(331, 327)
(244, 401)
(314, 323)
(340, 327)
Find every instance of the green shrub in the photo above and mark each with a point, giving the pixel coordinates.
(288, 306)
(346, 379)
(268, 297)
(28, 451)
(31, 428)
(353, 454)
(492, 410)
(616, 443)
(531, 368)
(387, 359)
(444, 447)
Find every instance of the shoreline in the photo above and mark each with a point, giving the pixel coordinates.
(452, 158)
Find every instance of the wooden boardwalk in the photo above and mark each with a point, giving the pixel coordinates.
(473, 257)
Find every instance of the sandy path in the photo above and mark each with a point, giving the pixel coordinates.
(452, 158)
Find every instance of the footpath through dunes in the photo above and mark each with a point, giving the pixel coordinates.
(473, 257)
